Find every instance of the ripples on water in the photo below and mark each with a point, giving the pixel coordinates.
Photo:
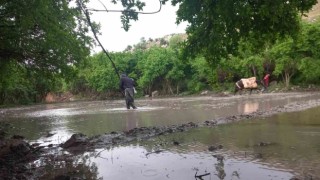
(294, 137)
(278, 147)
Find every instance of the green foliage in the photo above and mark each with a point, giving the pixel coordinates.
(96, 73)
(309, 68)
(216, 27)
(14, 88)
(251, 59)
(165, 70)
(154, 66)
(308, 49)
(142, 45)
(201, 75)
(42, 34)
(22, 86)
(99, 73)
(40, 39)
(176, 42)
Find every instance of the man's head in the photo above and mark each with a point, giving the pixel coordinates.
(123, 75)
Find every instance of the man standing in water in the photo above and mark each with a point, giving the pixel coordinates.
(127, 85)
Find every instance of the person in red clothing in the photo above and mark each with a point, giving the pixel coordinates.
(266, 81)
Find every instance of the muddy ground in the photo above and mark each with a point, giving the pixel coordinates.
(21, 160)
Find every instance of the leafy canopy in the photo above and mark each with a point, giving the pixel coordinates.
(217, 26)
(43, 35)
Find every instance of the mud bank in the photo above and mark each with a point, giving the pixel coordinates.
(18, 157)
(80, 142)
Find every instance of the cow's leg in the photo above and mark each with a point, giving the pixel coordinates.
(236, 89)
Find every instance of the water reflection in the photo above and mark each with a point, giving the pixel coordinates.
(132, 163)
(273, 148)
(248, 107)
(131, 121)
(67, 167)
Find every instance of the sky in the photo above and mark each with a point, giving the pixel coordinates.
(114, 38)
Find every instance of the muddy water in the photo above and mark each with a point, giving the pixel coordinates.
(279, 147)
(292, 139)
(98, 117)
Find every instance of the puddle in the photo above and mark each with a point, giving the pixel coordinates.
(132, 163)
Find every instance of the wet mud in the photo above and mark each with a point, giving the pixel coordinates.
(80, 142)
(22, 160)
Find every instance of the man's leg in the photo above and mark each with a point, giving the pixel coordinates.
(131, 101)
(127, 97)
(127, 104)
(133, 106)
(263, 87)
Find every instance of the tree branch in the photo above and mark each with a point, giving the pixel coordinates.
(121, 11)
(85, 11)
(200, 176)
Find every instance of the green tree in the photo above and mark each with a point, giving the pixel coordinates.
(44, 35)
(15, 88)
(177, 75)
(98, 73)
(22, 86)
(249, 59)
(155, 67)
(308, 49)
(201, 73)
(142, 45)
(45, 39)
(286, 59)
(216, 27)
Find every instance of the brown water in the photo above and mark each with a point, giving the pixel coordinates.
(293, 137)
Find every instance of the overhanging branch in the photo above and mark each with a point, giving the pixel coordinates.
(85, 11)
(121, 11)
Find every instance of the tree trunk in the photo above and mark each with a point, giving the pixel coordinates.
(177, 89)
(286, 79)
(253, 68)
(169, 87)
(149, 90)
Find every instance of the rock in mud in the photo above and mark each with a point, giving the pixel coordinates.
(176, 143)
(14, 147)
(155, 93)
(258, 156)
(214, 148)
(76, 140)
(14, 154)
(265, 144)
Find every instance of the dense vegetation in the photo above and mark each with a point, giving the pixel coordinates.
(48, 49)
(40, 42)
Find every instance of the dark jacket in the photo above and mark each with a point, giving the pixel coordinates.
(126, 82)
